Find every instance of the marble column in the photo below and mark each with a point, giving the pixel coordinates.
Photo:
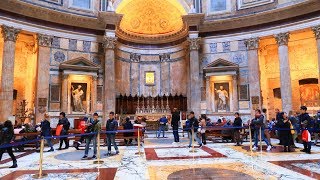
(10, 35)
(64, 93)
(235, 93)
(316, 31)
(109, 75)
(194, 76)
(285, 78)
(43, 75)
(93, 94)
(252, 45)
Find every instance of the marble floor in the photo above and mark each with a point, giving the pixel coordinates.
(163, 160)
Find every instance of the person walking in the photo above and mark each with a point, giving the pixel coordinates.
(46, 131)
(258, 123)
(202, 126)
(175, 125)
(65, 128)
(111, 128)
(193, 125)
(94, 126)
(6, 137)
(162, 126)
(237, 124)
(306, 124)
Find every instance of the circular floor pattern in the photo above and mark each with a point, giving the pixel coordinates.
(76, 155)
(209, 173)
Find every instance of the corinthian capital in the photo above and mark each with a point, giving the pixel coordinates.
(10, 33)
(282, 39)
(252, 43)
(194, 43)
(109, 42)
(316, 31)
(44, 40)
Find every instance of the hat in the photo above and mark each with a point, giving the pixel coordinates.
(303, 108)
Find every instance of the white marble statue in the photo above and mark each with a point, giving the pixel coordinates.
(110, 6)
(222, 98)
(77, 98)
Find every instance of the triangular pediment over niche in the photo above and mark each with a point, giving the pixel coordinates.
(80, 64)
(221, 65)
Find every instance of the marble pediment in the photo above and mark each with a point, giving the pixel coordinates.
(79, 64)
(221, 65)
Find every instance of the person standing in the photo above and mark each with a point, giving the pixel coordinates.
(94, 126)
(202, 126)
(306, 124)
(128, 126)
(46, 131)
(175, 125)
(285, 132)
(193, 125)
(162, 126)
(6, 137)
(258, 123)
(65, 128)
(265, 126)
(111, 128)
(316, 128)
(238, 126)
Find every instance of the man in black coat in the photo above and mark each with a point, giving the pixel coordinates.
(128, 126)
(306, 123)
(175, 124)
(46, 130)
(111, 128)
(65, 127)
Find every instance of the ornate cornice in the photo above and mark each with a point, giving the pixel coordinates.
(165, 57)
(252, 43)
(282, 39)
(44, 40)
(10, 33)
(109, 42)
(316, 31)
(135, 57)
(194, 43)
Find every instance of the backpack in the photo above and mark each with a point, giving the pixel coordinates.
(188, 124)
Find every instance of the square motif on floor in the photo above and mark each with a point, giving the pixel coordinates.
(167, 153)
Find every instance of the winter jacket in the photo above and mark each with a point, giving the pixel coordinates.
(112, 125)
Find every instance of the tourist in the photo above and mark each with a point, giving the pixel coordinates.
(162, 125)
(83, 130)
(306, 124)
(192, 126)
(265, 125)
(175, 125)
(258, 124)
(111, 128)
(316, 128)
(285, 132)
(294, 122)
(65, 128)
(208, 122)
(202, 126)
(227, 131)
(238, 127)
(94, 126)
(6, 137)
(46, 130)
(128, 126)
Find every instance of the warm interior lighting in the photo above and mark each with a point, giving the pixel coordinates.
(151, 17)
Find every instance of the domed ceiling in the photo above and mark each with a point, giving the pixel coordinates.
(151, 17)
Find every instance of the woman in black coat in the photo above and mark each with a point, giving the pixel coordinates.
(6, 137)
(236, 133)
(285, 132)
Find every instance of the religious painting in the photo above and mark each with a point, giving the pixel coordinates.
(222, 97)
(149, 78)
(310, 95)
(78, 96)
(244, 92)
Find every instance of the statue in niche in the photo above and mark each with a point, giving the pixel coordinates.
(222, 97)
(77, 96)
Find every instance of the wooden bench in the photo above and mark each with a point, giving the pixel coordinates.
(217, 132)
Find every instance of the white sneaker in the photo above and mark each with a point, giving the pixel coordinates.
(174, 143)
(269, 148)
(254, 148)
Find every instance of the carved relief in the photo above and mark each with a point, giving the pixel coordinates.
(226, 46)
(213, 47)
(135, 57)
(282, 39)
(241, 45)
(73, 44)
(59, 56)
(56, 42)
(316, 31)
(164, 57)
(86, 46)
(10, 33)
(252, 43)
(44, 40)
(109, 42)
(194, 43)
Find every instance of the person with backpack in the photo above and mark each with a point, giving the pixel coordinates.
(93, 126)
(65, 128)
(257, 122)
(6, 137)
(192, 126)
(111, 128)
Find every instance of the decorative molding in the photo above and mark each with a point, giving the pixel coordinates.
(213, 47)
(252, 43)
(109, 42)
(86, 46)
(226, 46)
(165, 57)
(194, 43)
(10, 33)
(59, 56)
(135, 57)
(316, 31)
(245, 4)
(55, 42)
(282, 38)
(72, 44)
(44, 40)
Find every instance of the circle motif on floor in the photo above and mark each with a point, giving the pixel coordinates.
(75, 155)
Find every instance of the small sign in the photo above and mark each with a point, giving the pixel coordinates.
(255, 100)
(42, 102)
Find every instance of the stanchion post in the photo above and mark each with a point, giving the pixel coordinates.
(260, 140)
(139, 151)
(40, 174)
(98, 161)
(192, 136)
(250, 138)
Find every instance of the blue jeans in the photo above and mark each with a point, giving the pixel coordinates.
(195, 137)
(256, 137)
(161, 128)
(88, 141)
(111, 138)
(175, 134)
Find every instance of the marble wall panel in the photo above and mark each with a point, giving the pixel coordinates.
(179, 77)
(165, 84)
(64, 43)
(126, 77)
(79, 45)
(147, 90)
(55, 79)
(94, 47)
(135, 75)
(118, 77)
(233, 45)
